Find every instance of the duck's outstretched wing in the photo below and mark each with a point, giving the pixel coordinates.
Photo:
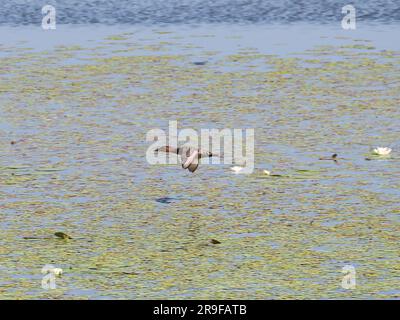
(193, 166)
(190, 157)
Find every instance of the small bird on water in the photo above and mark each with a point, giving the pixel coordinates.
(190, 156)
(334, 157)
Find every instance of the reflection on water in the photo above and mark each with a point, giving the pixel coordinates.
(78, 115)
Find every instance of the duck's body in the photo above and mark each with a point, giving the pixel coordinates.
(189, 156)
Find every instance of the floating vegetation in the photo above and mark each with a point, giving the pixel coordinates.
(84, 113)
(116, 38)
(359, 46)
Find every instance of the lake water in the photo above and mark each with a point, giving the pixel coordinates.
(156, 12)
(76, 104)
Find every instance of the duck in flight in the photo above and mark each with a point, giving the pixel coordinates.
(189, 156)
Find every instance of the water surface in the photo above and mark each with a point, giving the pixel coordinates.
(77, 103)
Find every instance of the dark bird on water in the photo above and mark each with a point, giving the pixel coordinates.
(189, 156)
(334, 157)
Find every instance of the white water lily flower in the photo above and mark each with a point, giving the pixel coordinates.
(237, 169)
(267, 172)
(57, 271)
(382, 151)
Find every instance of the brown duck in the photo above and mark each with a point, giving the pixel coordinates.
(189, 156)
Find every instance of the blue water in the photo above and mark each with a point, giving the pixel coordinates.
(21, 12)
